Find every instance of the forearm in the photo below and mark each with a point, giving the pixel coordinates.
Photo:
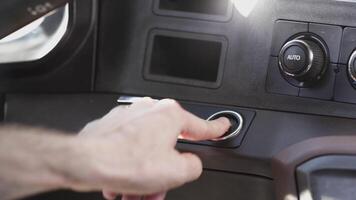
(124, 152)
(30, 160)
(36, 160)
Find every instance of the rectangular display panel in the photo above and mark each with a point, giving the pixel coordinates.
(186, 58)
(211, 7)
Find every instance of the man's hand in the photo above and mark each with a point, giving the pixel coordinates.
(130, 151)
(134, 148)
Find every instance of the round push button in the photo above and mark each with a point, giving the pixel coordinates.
(236, 121)
(295, 59)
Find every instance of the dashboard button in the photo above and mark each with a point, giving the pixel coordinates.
(303, 60)
(294, 59)
(236, 121)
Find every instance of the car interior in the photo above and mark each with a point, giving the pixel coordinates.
(282, 71)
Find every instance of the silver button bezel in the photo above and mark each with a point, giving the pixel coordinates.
(236, 132)
(309, 54)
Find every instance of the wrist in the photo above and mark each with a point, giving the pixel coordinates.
(72, 167)
(57, 162)
(30, 168)
(94, 165)
(82, 168)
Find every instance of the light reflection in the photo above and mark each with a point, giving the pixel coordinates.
(245, 7)
(290, 197)
(35, 40)
(306, 195)
(328, 198)
(348, 1)
(23, 31)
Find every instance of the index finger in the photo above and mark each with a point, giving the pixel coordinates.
(196, 129)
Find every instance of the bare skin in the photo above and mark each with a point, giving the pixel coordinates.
(130, 151)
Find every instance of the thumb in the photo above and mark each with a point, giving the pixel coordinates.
(191, 167)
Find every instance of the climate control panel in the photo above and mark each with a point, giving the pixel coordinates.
(303, 60)
(313, 60)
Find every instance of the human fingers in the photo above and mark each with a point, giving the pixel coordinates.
(188, 168)
(190, 126)
(197, 129)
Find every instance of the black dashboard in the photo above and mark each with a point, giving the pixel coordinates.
(287, 67)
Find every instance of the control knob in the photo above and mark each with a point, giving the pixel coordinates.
(303, 60)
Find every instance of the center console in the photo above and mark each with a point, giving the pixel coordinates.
(314, 61)
(283, 72)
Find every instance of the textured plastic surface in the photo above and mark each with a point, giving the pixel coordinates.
(275, 81)
(283, 30)
(344, 92)
(348, 44)
(323, 89)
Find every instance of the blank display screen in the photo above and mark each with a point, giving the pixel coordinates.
(211, 7)
(185, 58)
